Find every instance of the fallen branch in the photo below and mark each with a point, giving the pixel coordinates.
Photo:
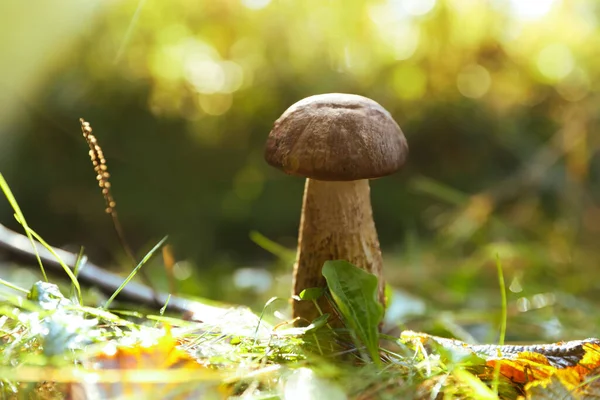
(107, 282)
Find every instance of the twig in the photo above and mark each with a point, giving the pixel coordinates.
(93, 275)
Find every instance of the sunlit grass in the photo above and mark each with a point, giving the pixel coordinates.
(31, 234)
(71, 346)
(13, 286)
(21, 218)
(214, 358)
(135, 271)
(136, 350)
(503, 319)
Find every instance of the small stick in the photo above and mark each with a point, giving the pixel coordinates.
(107, 282)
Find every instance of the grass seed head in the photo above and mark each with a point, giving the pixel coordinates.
(100, 167)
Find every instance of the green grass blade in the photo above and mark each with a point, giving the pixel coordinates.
(76, 268)
(135, 271)
(77, 265)
(262, 314)
(13, 286)
(64, 266)
(272, 247)
(478, 389)
(21, 218)
(164, 308)
(422, 184)
(503, 318)
(504, 315)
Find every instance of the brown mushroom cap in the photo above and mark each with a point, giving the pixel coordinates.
(336, 137)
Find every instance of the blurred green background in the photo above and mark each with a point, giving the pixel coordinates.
(498, 100)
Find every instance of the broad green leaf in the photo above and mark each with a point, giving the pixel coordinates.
(355, 294)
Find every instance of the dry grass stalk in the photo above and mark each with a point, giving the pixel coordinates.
(100, 167)
(102, 176)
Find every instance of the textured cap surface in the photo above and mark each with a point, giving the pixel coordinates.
(336, 137)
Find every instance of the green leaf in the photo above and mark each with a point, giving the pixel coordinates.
(355, 294)
(479, 389)
(318, 322)
(311, 293)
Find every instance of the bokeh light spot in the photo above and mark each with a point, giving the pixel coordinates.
(355, 60)
(304, 384)
(165, 63)
(464, 6)
(216, 104)
(530, 9)
(182, 270)
(255, 4)
(555, 61)
(473, 81)
(234, 76)
(257, 279)
(207, 76)
(401, 39)
(523, 304)
(417, 7)
(574, 86)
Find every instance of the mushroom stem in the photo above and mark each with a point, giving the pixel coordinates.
(336, 224)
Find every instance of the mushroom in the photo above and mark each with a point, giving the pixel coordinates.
(338, 142)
